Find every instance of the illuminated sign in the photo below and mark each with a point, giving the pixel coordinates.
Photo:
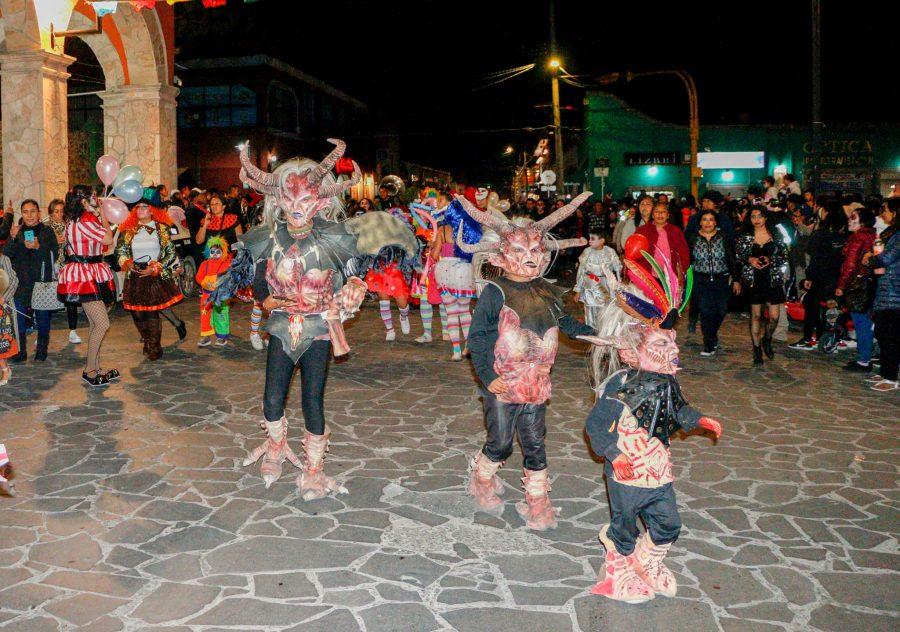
(654, 158)
(731, 159)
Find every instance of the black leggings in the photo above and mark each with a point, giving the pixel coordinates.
(504, 420)
(313, 374)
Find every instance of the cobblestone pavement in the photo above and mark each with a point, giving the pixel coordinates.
(134, 512)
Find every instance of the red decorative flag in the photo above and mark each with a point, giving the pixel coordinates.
(212, 4)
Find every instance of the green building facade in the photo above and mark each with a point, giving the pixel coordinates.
(644, 154)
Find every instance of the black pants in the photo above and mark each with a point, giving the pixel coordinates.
(72, 315)
(812, 306)
(313, 374)
(656, 506)
(503, 421)
(887, 332)
(712, 292)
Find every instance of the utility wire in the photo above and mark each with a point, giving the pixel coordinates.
(506, 78)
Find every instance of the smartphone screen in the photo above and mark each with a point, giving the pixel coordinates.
(29, 235)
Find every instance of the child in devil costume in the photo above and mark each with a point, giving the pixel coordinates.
(513, 341)
(305, 268)
(638, 409)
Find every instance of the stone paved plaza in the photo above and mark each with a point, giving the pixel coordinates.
(134, 512)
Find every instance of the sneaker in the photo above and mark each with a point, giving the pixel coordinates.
(256, 341)
(707, 354)
(804, 344)
(98, 381)
(456, 357)
(424, 338)
(74, 338)
(885, 386)
(856, 367)
(205, 341)
(221, 342)
(390, 336)
(848, 344)
(874, 378)
(113, 375)
(404, 326)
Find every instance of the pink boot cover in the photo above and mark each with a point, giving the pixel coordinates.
(485, 485)
(536, 510)
(648, 563)
(275, 449)
(312, 481)
(620, 581)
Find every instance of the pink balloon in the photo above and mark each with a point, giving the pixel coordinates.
(114, 209)
(107, 169)
(176, 213)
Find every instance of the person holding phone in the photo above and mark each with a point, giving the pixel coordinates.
(32, 250)
(762, 258)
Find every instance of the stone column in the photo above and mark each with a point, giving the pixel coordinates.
(139, 127)
(35, 125)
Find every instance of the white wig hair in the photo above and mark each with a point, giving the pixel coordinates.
(273, 214)
(619, 331)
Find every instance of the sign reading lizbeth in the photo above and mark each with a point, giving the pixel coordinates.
(655, 158)
(839, 154)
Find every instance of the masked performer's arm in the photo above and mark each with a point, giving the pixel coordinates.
(483, 333)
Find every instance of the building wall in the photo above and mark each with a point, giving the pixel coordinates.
(858, 155)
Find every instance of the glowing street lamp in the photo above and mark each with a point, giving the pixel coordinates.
(509, 149)
(555, 63)
(652, 171)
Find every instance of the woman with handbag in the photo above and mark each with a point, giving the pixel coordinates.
(147, 255)
(857, 286)
(32, 250)
(86, 278)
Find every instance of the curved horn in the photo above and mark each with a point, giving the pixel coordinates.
(315, 176)
(562, 244)
(473, 248)
(255, 177)
(559, 215)
(338, 188)
(488, 219)
(428, 216)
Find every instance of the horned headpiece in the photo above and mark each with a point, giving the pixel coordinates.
(521, 250)
(299, 187)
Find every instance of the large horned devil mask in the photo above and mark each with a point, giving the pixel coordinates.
(522, 250)
(300, 188)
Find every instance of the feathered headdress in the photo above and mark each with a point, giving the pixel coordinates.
(464, 223)
(666, 295)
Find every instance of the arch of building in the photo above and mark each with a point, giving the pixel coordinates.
(135, 52)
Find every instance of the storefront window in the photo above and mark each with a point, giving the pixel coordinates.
(217, 106)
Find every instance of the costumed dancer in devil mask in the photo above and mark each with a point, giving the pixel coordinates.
(304, 267)
(639, 407)
(453, 270)
(513, 340)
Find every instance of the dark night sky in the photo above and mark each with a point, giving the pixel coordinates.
(416, 64)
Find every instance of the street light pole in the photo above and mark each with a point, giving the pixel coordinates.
(694, 112)
(557, 120)
(816, 91)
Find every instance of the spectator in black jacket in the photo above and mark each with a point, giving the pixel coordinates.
(825, 254)
(715, 276)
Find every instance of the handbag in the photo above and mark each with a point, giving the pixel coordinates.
(860, 294)
(43, 296)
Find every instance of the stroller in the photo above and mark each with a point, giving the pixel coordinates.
(837, 325)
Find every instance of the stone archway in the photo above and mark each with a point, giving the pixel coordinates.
(135, 52)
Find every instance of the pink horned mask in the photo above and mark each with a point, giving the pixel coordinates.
(657, 351)
(522, 250)
(298, 190)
